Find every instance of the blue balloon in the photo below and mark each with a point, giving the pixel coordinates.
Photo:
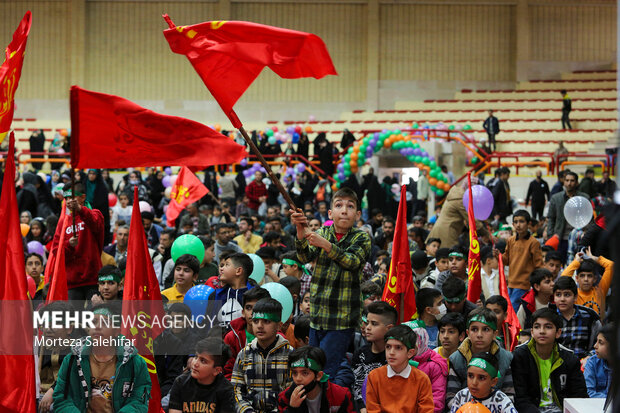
(196, 299)
(272, 140)
(258, 272)
(281, 294)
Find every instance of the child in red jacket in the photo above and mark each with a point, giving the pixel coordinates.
(312, 390)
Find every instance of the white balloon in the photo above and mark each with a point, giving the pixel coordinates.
(578, 212)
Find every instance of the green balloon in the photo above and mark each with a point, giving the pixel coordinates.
(417, 159)
(440, 192)
(426, 161)
(188, 244)
(396, 132)
(269, 133)
(451, 127)
(474, 161)
(360, 161)
(350, 151)
(467, 128)
(383, 136)
(416, 145)
(347, 158)
(363, 148)
(433, 174)
(415, 125)
(366, 140)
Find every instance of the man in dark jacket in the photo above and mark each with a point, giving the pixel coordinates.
(491, 126)
(501, 195)
(567, 106)
(538, 192)
(606, 186)
(588, 184)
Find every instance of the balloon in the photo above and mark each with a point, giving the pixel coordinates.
(24, 229)
(32, 286)
(269, 132)
(301, 167)
(483, 201)
(290, 130)
(473, 407)
(312, 118)
(63, 132)
(440, 192)
(467, 128)
(36, 246)
(188, 244)
(166, 181)
(217, 127)
(451, 127)
(167, 192)
(173, 179)
(578, 212)
(271, 140)
(295, 137)
(168, 170)
(112, 199)
(274, 128)
(258, 272)
(145, 207)
(244, 162)
(298, 128)
(197, 298)
(281, 294)
(308, 129)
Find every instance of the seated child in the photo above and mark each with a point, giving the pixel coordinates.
(545, 372)
(381, 317)
(597, 371)
(293, 286)
(294, 268)
(435, 367)
(311, 390)
(204, 388)
(208, 268)
(181, 329)
(591, 294)
(371, 292)
(302, 330)
(454, 292)
(304, 304)
(109, 285)
(499, 305)
(430, 307)
(579, 323)
(553, 262)
(541, 294)
(241, 332)
(481, 333)
(261, 370)
(451, 334)
(34, 268)
(186, 269)
(398, 386)
(440, 264)
(482, 377)
(234, 274)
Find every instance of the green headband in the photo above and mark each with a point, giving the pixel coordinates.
(110, 277)
(484, 365)
(266, 316)
(311, 364)
(289, 261)
(406, 343)
(103, 311)
(415, 324)
(69, 193)
(456, 254)
(481, 319)
(456, 299)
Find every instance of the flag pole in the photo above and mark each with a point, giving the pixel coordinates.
(74, 234)
(263, 162)
(402, 308)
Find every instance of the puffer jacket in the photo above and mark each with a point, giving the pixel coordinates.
(334, 399)
(436, 368)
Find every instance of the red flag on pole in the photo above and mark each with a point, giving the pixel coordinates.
(474, 288)
(11, 71)
(58, 290)
(229, 55)
(17, 381)
(186, 189)
(111, 132)
(399, 287)
(141, 295)
(511, 318)
(51, 260)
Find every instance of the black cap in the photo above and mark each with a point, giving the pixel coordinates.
(148, 215)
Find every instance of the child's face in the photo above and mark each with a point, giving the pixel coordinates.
(371, 299)
(450, 339)
(203, 368)
(34, 267)
(247, 312)
(457, 265)
(303, 376)
(481, 336)
(314, 224)
(382, 269)
(227, 271)
(544, 332)
(397, 354)
(184, 276)
(123, 200)
(103, 330)
(554, 266)
(344, 213)
(546, 287)
(479, 382)
(304, 306)
(108, 289)
(291, 270)
(209, 254)
(499, 312)
(376, 328)
(585, 280)
(564, 300)
(492, 263)
(178, 324)
(442, 264)
(432, 248)
(265, 330)
(35, 230)
(602, 347)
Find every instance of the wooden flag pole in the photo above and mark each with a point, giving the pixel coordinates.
(73, 198)
(402, 308)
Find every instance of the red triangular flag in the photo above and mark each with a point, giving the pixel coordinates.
(58, 290)
(511, 319)
(229, 55)
(17, 381)
(474, 287)
(186, 189)
(11, 71)
(51, 259)
(399, 285)
(141, 294)
(111, 132)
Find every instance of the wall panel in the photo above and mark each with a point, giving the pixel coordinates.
(341, 26)
(447, 42)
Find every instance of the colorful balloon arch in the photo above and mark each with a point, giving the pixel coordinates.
(405, 143)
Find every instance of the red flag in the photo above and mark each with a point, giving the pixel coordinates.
(141, 295)
(51, 259)
(186, 189)
(229, 55)
(511, 319)
(58, 290)
(474, 288)
(11, 71)
(399, 284)
(17, 381)
(111, 132)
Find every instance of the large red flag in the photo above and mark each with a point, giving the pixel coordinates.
(51, 260)
(186, 189)
(111, 132)
(511, 319)
(58, 290)
(141, 295)
(17, 381)
(399, 285)
(229, 55)
(11, 71)
(474, 288)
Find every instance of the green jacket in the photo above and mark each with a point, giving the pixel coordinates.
(131, 389)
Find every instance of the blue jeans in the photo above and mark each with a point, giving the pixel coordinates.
(334, 343)
(515, 297)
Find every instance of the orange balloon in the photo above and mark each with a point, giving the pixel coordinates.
(387, 143)
(308, 129)
(353, 164)
(354, 169)
(334, 187)
(356, 149)
(432, 181)
(64, 132)
(24, 229)
(473, 407)
(355, 156)
(218, 127)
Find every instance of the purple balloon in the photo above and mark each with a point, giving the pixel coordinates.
(483, 201)
(247, 173)
(290, 130)
(431, 158)
(376, 135)
(166, 181)
(300, 167)
(244, 162)
(168, 170)
(417, 152)
(36, 246)
(341, 176)
(340, 167)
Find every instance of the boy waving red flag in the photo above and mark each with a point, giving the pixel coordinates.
(186, 189)
(399, 291)
(474, 288)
